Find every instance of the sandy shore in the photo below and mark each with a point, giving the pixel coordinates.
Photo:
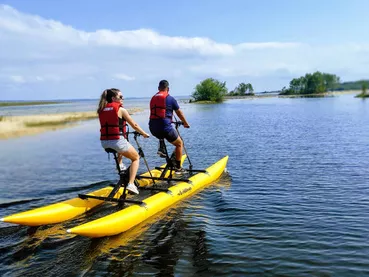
(16, 126)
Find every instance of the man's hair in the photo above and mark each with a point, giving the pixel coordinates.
(163, 84)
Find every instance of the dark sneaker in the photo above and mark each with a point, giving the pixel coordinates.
(180, 171)
(161, 152)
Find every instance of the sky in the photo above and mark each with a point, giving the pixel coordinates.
(76, 49)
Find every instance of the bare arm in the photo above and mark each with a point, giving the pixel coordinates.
(182, 118)
(124, 114)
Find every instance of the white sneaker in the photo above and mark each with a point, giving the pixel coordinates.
(132, 188)
(122, 167)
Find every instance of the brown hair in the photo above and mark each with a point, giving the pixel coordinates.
(107, 97)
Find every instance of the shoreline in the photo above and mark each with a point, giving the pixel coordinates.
(29, 103)
(323, 94)
(18, 126)
(267, 95)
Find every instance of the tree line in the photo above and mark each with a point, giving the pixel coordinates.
(355, 85)
(312, 83)
(316, 82)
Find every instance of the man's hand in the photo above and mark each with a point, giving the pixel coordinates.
(186, 125)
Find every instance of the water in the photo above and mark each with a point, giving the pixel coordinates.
(83, 105)
(295, 202)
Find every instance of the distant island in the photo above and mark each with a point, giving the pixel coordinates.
(317, 84)
(320, 84)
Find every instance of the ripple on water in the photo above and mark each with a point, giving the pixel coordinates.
(295, 202)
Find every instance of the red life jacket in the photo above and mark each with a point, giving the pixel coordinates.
(158, 105)
(109, 123)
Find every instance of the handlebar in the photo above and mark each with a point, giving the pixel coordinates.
(178, 123)
(135, 133)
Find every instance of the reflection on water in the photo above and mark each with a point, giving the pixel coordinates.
(294, 202)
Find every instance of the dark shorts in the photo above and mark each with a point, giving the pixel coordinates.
(170, 134)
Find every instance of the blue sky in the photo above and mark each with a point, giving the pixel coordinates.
(75, 49)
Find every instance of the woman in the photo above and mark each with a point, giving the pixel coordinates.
(113, 118)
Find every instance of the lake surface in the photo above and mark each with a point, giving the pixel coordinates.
(295, 201)
(71, 106)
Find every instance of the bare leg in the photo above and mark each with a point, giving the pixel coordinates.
(135, 159)
(120, 157)
(178, 144)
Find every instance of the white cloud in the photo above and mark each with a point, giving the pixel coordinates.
(17, 79)
(52, 31)
(38, 54)
(122, 76)
(18, 23)
(267, 45)
(30, 78)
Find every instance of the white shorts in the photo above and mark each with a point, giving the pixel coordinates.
(119, 145)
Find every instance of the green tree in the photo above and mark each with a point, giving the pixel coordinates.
(317, 82)
(314, 83)
(210, 90)
(331, 81)
(297, 85)
(364, 87)
(251, 89)
(243, 89)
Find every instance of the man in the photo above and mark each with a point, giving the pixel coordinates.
(162, 106)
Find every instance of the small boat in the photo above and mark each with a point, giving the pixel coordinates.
(132, 215)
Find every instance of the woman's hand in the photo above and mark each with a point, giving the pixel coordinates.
(145, 135)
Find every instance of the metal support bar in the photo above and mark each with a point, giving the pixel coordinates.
(115, 189)
(152, 188)
(197, 170)
(85, 196)
(163, 179)
(190, 170)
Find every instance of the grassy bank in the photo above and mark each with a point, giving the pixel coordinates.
(250, 96)
(323, 94)
(362, 95)
(16, 126)
(28, 103)
(315, 95)
(203, 102)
